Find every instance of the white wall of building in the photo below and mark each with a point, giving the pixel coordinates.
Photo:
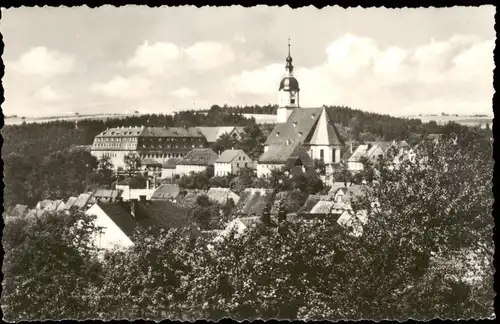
(283, 113)
(129, 194)
(111, 235)
(264, 169)
(168, 173)
(328, 151)
(222, 169)
(117, 158)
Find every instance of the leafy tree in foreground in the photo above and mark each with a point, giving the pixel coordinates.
(48, 267)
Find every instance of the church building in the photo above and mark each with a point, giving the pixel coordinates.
(313, 128)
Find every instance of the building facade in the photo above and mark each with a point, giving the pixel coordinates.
(157, 143)
(231, 161)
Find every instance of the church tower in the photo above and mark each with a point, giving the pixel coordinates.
(288, 91)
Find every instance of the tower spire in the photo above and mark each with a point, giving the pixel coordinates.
(289, 66)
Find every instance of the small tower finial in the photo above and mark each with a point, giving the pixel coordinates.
(289, 46)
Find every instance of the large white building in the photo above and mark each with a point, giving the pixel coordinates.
(313, 128)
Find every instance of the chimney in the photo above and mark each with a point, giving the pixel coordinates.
(132, 207)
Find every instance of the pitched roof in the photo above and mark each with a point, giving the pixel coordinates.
(222, 195)
(326, 207)
(301, 124)
(325, 132)
(189, 200)
(122, 131)
(82, 200)
(199, 156)
(280, 153)
(229, 155)
(149, 161)
(384, 145)
(166, 191)
(163, 213)
(53, 206)
(170, 163)
(358, 153)
(335, 187)
(171, 132)
(253, 201)
(120, 216)
(108, 193)
(311, 201)
(212, 134)
(297, 128)
(71, 201)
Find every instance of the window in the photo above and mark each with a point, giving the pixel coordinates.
(292, 101)
(322, 155)
(333, 155)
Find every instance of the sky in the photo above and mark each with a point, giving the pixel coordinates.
(62, 60)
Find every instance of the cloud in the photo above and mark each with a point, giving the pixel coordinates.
(263, 81)
(120, 87)
(183, 93)
(208, 55)
(155, 58)
(44, 62)
(47, 93)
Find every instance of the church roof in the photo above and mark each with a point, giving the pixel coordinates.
(279, 153)
(325, 132)
(297, 128)
(302, 125)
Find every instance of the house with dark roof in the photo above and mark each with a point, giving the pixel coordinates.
(197, 160)
(167, 191)
(290, 156)
(119, 221)
(231, 161)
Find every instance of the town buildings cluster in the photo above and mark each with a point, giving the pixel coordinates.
(301, 136)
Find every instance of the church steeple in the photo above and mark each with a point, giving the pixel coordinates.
(289, 66)
(288, 91)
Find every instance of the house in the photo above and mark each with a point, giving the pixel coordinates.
(118, 221)
(254, 200)
(230, 162)
(336, 186)
(166, 191)
(372, 151)
(212, 134)
(222, 195)
(152, 167)
(168, 168)
(107, 195)
(116, 225)
(197, 160)
(290, 156)
(135, 194)
(311, 201)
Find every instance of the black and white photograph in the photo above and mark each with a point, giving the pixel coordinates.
(249, 163)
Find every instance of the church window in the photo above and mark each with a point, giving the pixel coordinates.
(333, 156)
(322, 155)
(292, 101)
